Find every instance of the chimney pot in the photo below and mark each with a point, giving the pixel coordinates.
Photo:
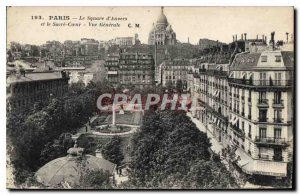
(245, 35)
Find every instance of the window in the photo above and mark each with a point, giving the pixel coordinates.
(277, 133)
(263, 153)
(278, 78)
(262, 97)
(250, 133)
(277, 116)
(249, 112)
(262, 132)
(264, 58)
(263, 78)
(277, 97)
(277, 58)
(262, 115)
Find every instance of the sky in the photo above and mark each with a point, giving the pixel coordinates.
(193, 23)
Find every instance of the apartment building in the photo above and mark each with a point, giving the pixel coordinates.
(23, 90)
(261, 110)
(175, 71)
(131, 68)
(246, 100)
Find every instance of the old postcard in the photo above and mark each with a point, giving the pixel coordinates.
(150, 98)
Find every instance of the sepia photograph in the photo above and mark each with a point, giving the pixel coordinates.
(150, 98)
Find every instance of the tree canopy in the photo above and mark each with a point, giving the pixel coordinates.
(170, 152)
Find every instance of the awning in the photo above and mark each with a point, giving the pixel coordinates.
(231, 74)
(250, 74)
(215, 93)
(260, 167)
(218, 92)
(270, 168)
(215, 120)
(235, 121)
(243, 74)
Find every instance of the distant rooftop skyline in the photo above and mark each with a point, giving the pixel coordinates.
(193, 23)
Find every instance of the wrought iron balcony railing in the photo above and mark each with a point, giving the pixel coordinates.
(270, 140)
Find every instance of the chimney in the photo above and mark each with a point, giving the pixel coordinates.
(266, 39)
(272, 39)
(245, 35)
(232, 38)
(287, 37)
(242, 36)
(263, 38)
(236, 37)
(256, 37)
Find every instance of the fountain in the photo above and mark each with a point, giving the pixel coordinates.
(113, 126)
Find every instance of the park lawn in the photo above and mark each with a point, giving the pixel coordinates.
(134, 118)
(89, 142)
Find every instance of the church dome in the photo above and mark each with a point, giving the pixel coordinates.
(68, 169)
(162, 19)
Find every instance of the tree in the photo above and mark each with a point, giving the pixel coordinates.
(94, 179)
(169, 152)
(179, 85)
(112, 151)
(57, 148)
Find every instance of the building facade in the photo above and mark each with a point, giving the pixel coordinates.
(25, 89)
(162, 32)
(245, 100)
(127, 41)
(131, 68)
(174, 72)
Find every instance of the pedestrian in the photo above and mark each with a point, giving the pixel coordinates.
(121, 172)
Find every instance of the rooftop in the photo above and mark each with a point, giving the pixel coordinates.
(272, 59)
(69, 168)
(34, 76)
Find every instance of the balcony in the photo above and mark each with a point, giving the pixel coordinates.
(278, 120)
(278, 158)
(278, 104)
(268, 157)
(263, 120)
(270, 141)
(261, 83)
(238, 130)
(263, 156)
(262, 103)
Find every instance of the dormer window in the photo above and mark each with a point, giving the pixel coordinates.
(264, 58)
(277, 58)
